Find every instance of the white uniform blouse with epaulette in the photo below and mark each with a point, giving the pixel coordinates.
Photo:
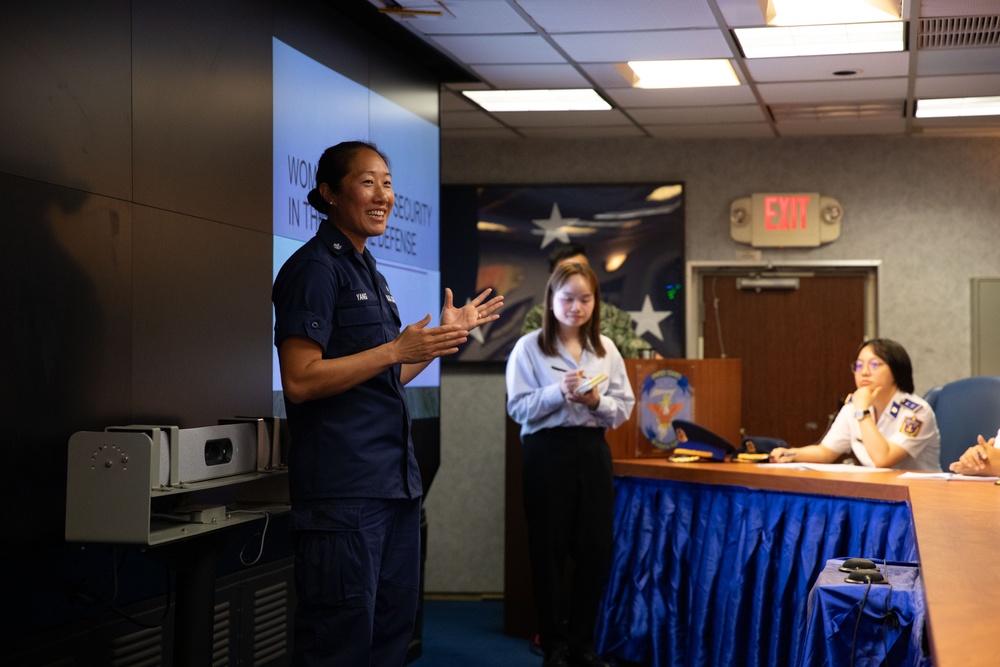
(908, 421)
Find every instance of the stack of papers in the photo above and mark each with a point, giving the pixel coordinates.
(912, 474)
(823, 467)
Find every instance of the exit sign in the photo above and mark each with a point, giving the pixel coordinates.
(785, 220)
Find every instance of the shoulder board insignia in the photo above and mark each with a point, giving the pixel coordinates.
(894, 409)
(911, 404)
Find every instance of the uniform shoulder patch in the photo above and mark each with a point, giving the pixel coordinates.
(911, 426)
(911, 404)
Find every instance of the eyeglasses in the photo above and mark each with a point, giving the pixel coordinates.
(873, 365)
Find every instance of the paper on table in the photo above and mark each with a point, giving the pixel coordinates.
(911, 474)
(823, 467)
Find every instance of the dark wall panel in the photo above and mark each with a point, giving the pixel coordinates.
(202, 104)
(65, 344)
(312, 28)
(335, 41)
(135, 262)
(202, 347)
(66, 111)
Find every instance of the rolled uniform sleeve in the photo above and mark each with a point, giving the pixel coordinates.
(308, 309)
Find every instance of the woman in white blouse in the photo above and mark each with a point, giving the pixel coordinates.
(568, 480)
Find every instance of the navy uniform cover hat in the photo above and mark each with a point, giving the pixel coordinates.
(700, 441)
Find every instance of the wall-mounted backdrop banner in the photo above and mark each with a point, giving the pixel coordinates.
(634, 240)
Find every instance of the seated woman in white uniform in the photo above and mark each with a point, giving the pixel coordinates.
(883, 423)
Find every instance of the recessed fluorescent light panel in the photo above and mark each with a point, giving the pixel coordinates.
(821, 40)
(958, 106)
(812, 12)
(681, 73)
(570, 99)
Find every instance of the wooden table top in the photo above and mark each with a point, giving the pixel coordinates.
(957, 525)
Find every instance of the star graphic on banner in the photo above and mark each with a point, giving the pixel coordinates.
(553, 226)
(477, 333)
(648, 319)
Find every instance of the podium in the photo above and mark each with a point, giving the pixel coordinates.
(708, 392)
(713, 400)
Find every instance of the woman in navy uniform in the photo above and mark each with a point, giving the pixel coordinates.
(353, 479)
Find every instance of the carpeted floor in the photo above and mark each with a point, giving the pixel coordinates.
(461, 633)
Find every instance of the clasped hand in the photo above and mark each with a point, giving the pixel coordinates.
(981, 458)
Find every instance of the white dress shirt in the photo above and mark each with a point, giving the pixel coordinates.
(535, 401)
(907, 421)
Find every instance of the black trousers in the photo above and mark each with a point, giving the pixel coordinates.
(569, 505)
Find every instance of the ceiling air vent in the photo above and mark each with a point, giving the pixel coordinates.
(959, 32)
(823, 112)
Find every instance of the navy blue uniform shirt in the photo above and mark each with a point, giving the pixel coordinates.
(355, 444)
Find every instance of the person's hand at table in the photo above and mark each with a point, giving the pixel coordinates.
(980, 459)
(782, 455)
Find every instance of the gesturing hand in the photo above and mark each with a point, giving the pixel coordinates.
(473, 314)
(417, 343)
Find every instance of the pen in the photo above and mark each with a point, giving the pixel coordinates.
(561, 370)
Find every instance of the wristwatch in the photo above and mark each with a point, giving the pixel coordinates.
(860, 414)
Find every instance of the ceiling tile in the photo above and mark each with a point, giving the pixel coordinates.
(568, 44)
(494, 49)
(680, 97)
(976, 126)
(701, 115)
(480, 133)
(585, 132)
(958, 86)
(468, 119)
(958, 61)
(584, 15)
(711, 131)
(452, 101)
(532, 76)
(851, 127)
(812, 68)
(469, 17)
(595, 47)
(931, 8)
(520, 119)
(741, 13)
(833, 91)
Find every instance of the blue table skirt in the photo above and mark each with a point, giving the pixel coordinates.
(705, 574)
(866, 624)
